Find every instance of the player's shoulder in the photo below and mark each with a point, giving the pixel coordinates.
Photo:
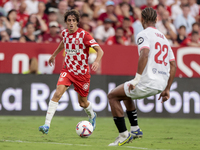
(65, 31)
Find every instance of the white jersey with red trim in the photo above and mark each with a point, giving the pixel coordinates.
(77, 50)
(156, 72)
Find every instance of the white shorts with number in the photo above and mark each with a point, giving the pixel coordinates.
(140, 91)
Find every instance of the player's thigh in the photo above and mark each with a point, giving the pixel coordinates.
(118, 93)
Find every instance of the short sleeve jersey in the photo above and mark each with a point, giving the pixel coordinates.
(156, 71)
(77, 50)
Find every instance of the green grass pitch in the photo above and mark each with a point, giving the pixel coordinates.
(21, 133)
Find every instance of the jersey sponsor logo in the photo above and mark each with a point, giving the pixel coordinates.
(140, 40)
(92, 41)
(162, 72)
(191, 67)
(72, 51)
(86, 86)
(154, 70)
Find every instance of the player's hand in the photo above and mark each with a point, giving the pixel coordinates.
(131, 87)
(95, 66)
(51, 60)
(165, 96)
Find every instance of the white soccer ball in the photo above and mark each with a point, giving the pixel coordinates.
(84, 129)
(92, 57)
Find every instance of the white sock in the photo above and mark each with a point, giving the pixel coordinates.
(89, 111)
(50, 112)
(124, 134)
(134, 128)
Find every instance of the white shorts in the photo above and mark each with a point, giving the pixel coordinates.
(140, 91)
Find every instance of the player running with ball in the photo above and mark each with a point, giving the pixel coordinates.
(76, 42)
(155, 73)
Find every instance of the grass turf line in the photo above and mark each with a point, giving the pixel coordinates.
(20, 133)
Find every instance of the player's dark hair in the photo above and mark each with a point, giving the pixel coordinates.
(72, 12)
(149, 15)
(182, 27)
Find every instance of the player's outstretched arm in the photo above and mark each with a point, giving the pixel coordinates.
(100, 53)
(141, 65)
(166, 94)
(52, 58)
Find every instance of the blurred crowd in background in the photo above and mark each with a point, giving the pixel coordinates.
(109, 22)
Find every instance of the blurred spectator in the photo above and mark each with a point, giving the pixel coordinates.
(72, 5)
(12, 4)
(181, 36)
(33, 67)
(103, 32)
(137, 25)
(29, 36)
(163, 2)
(118, 38)
(39, 24)
(4, 23)
(195, 27)
(52, 5)
(166, 27)
(125, 13)
(52, 36)
(2, 2)
(193, 41)
(194, 8)
(32, 6)
(85, 23)
(160, 9)
(22, 16)
(177, 8)
(120, 9)
(62, 8)
(16, 27)
(148, 4)
(185, 19)
(128, 31)
(108, 14)
(41, 13)
(88, 8)
(99, 9)
(4, 35)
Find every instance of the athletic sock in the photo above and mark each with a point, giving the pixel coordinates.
(50, 112)
(89, 111)
(132, 116)
(120, 123)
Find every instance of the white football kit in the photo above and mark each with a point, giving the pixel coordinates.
(155, 75)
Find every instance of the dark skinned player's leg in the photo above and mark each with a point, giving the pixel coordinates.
(115, 96)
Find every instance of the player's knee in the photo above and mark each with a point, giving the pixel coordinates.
(82, 104)
(110, 95)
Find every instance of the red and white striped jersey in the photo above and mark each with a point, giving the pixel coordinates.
(77, 50)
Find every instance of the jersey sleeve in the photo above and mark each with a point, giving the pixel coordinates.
(171, 55)
(89, 41)
(142, 41)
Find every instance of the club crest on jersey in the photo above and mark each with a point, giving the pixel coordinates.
(86, 86)
(77, 41)
(140, 40)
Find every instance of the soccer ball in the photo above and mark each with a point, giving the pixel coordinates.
(84, 129)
